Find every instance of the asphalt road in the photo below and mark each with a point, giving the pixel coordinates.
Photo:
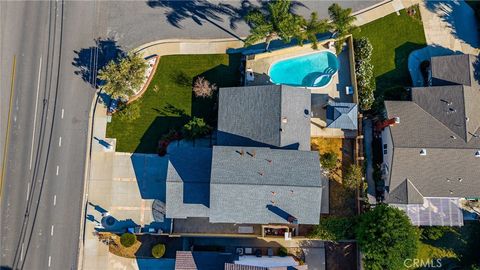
(44, 176)
(45, 160)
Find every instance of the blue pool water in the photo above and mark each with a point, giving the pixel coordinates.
(312, 70)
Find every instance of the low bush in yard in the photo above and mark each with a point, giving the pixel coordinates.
(128, 239)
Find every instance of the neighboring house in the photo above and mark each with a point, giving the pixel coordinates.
(432, 155)
(262, 170)
(187, 260)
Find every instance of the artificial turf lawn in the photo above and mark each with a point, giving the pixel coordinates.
(168, 102)
(393, 38)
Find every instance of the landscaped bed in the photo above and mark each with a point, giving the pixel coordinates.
(393, 38)
(169, 103)
(342, 200)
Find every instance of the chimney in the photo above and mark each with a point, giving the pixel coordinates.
(390, 122)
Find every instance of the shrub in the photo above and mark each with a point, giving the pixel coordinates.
(364, 72)
(130, 112)
(434, 232)
(334, 229)
(282, 252)
(195, 128)
(158, 250)
(329, 160)
(203, 88)
(128, 239)
(353, 177)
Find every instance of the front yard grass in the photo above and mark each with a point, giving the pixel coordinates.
(342, 200)
(393, 38)
(169, 103)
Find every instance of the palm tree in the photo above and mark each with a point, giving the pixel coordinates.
(311, 28)
(342, 23)
(277, 22)
(123, 77)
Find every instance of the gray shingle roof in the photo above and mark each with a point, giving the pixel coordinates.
(188, 183)
(342, 115)
(443, 120)
(268, 115)
(265, 188)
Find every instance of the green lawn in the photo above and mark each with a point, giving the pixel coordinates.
(459, 247)
(168, 102)
(393, 37)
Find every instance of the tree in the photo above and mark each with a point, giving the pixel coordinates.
(123, 77)
(434, 232)
(131, 111)
(128, 239)
(386, 238)
(329, 160)
(333, 228)
(158, 250)
(277, 22)
(311, 28)
(353, 177)
(342, 24)
(195, 128)
(203, 88)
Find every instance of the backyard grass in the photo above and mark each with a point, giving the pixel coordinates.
(393, 38)
(457, 248)
(168, 102)
(342, 200)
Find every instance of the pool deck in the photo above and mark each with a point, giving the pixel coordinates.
(334, 91)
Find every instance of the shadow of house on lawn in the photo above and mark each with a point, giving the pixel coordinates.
(222, 76)
(392, 84)
(89, 61)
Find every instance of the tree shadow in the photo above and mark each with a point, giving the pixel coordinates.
(89, 61)
(200, 11)
(459, 17)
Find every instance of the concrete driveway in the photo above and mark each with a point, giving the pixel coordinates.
(450, 24)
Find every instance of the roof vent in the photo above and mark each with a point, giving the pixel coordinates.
(460, 179)
(306, 112)
(466, 119)
(453, 137)
(423, 152)
(284, 120)
(477, 154)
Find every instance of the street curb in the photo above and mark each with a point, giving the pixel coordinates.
(91, 122)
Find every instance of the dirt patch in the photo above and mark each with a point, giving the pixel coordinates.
(341, 256)
(342, 200)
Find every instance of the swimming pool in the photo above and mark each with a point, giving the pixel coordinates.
(311, 70)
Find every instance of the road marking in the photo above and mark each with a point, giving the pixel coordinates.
(60, 141)
(5, 149)
(54, 200)
(62, 112)
(35, 113)
(49, 261)
(51, 230)
(21, 252)
(57, 169)
(28, 191)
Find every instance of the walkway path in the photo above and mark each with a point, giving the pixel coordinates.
(450, 24)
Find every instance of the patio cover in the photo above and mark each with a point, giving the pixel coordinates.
(342, 115)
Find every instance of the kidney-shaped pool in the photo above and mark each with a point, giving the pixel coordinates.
(311, 70)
